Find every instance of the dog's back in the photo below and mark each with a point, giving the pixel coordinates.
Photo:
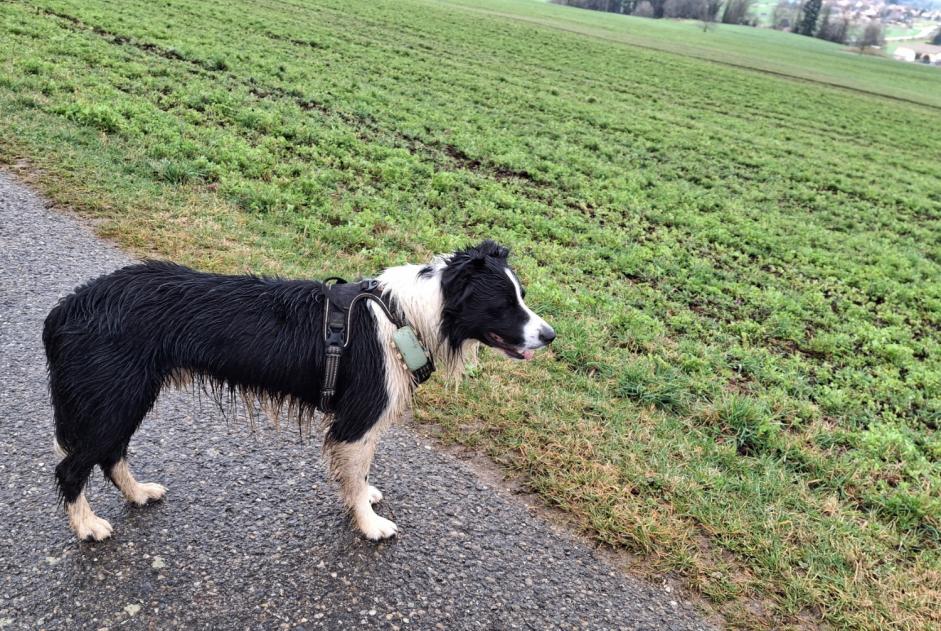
(157, 318)
(116, 341)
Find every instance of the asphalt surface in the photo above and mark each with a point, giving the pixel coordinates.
(250, 534)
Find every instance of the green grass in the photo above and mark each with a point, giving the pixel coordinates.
(760, 49)
(740, 257)
(917, 27)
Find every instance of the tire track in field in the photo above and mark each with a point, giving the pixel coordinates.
(438, 152)
(441, 154)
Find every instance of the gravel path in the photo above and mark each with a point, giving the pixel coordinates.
(250, 535)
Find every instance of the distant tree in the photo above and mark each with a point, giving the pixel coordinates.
(936, 40)
(873, 35)
(643, 9)
(704, 10)
(784, 15)
(808, 19)
(736, 11)
(674, 8)
(709, 13)
(824, 21)
(610, 6)
(688, 9)
(833, 28)
(634, 7)
(840, 29)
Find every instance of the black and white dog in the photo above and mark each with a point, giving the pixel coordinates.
(116, 341)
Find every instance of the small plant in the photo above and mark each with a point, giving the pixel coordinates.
(174, 171)
(654, 383)
(218, 63)
(34, 67)
(751, 424)
(100, 116)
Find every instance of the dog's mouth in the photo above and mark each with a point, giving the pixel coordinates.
(513, 352)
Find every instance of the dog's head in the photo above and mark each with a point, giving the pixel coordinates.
(483, 300)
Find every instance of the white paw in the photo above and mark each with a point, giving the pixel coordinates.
(375, 527)
(93, 527)
(375, 495)
(147, 492)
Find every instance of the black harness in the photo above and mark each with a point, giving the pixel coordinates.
(339, 299)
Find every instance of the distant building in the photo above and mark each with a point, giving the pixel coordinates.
(919, 54)
(904, 53)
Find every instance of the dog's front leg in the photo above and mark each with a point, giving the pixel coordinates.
(349, 464)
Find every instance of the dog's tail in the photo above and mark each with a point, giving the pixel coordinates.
(52, 325)
(51, 342)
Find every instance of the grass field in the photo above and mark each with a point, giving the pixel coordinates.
(918, 27)
(774, 52)
(741, 259)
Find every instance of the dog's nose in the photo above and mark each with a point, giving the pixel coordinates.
(546, 334)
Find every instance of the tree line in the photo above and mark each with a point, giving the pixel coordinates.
(813, 18)
(810, 17)
(728, 11)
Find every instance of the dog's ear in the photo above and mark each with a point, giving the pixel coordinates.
(463, 263)
(481, 251)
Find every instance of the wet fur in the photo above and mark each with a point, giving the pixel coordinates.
(117, 341)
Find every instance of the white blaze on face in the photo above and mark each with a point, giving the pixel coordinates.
(534, 324)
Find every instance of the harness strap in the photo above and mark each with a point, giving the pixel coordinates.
(331, 366)
(340, 298)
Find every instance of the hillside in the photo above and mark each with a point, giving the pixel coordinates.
(760, 49)
(734, 233)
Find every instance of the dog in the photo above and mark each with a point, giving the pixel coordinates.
(117, 341)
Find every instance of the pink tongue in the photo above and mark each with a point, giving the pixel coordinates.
(528, 354)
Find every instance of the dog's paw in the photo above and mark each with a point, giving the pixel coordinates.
(375, 495)
(93, 528)
(376, 528)
(148, 492)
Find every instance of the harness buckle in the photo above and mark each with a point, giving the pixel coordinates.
(334, 335)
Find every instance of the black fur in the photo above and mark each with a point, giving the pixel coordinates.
(114, 343)
(117, 341)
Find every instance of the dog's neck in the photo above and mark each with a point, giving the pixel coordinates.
(416, 290)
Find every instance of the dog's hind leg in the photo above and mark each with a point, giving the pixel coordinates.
(349, 464)
(136, 492)
(71, 475)
(94, 426)
(114, 463)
